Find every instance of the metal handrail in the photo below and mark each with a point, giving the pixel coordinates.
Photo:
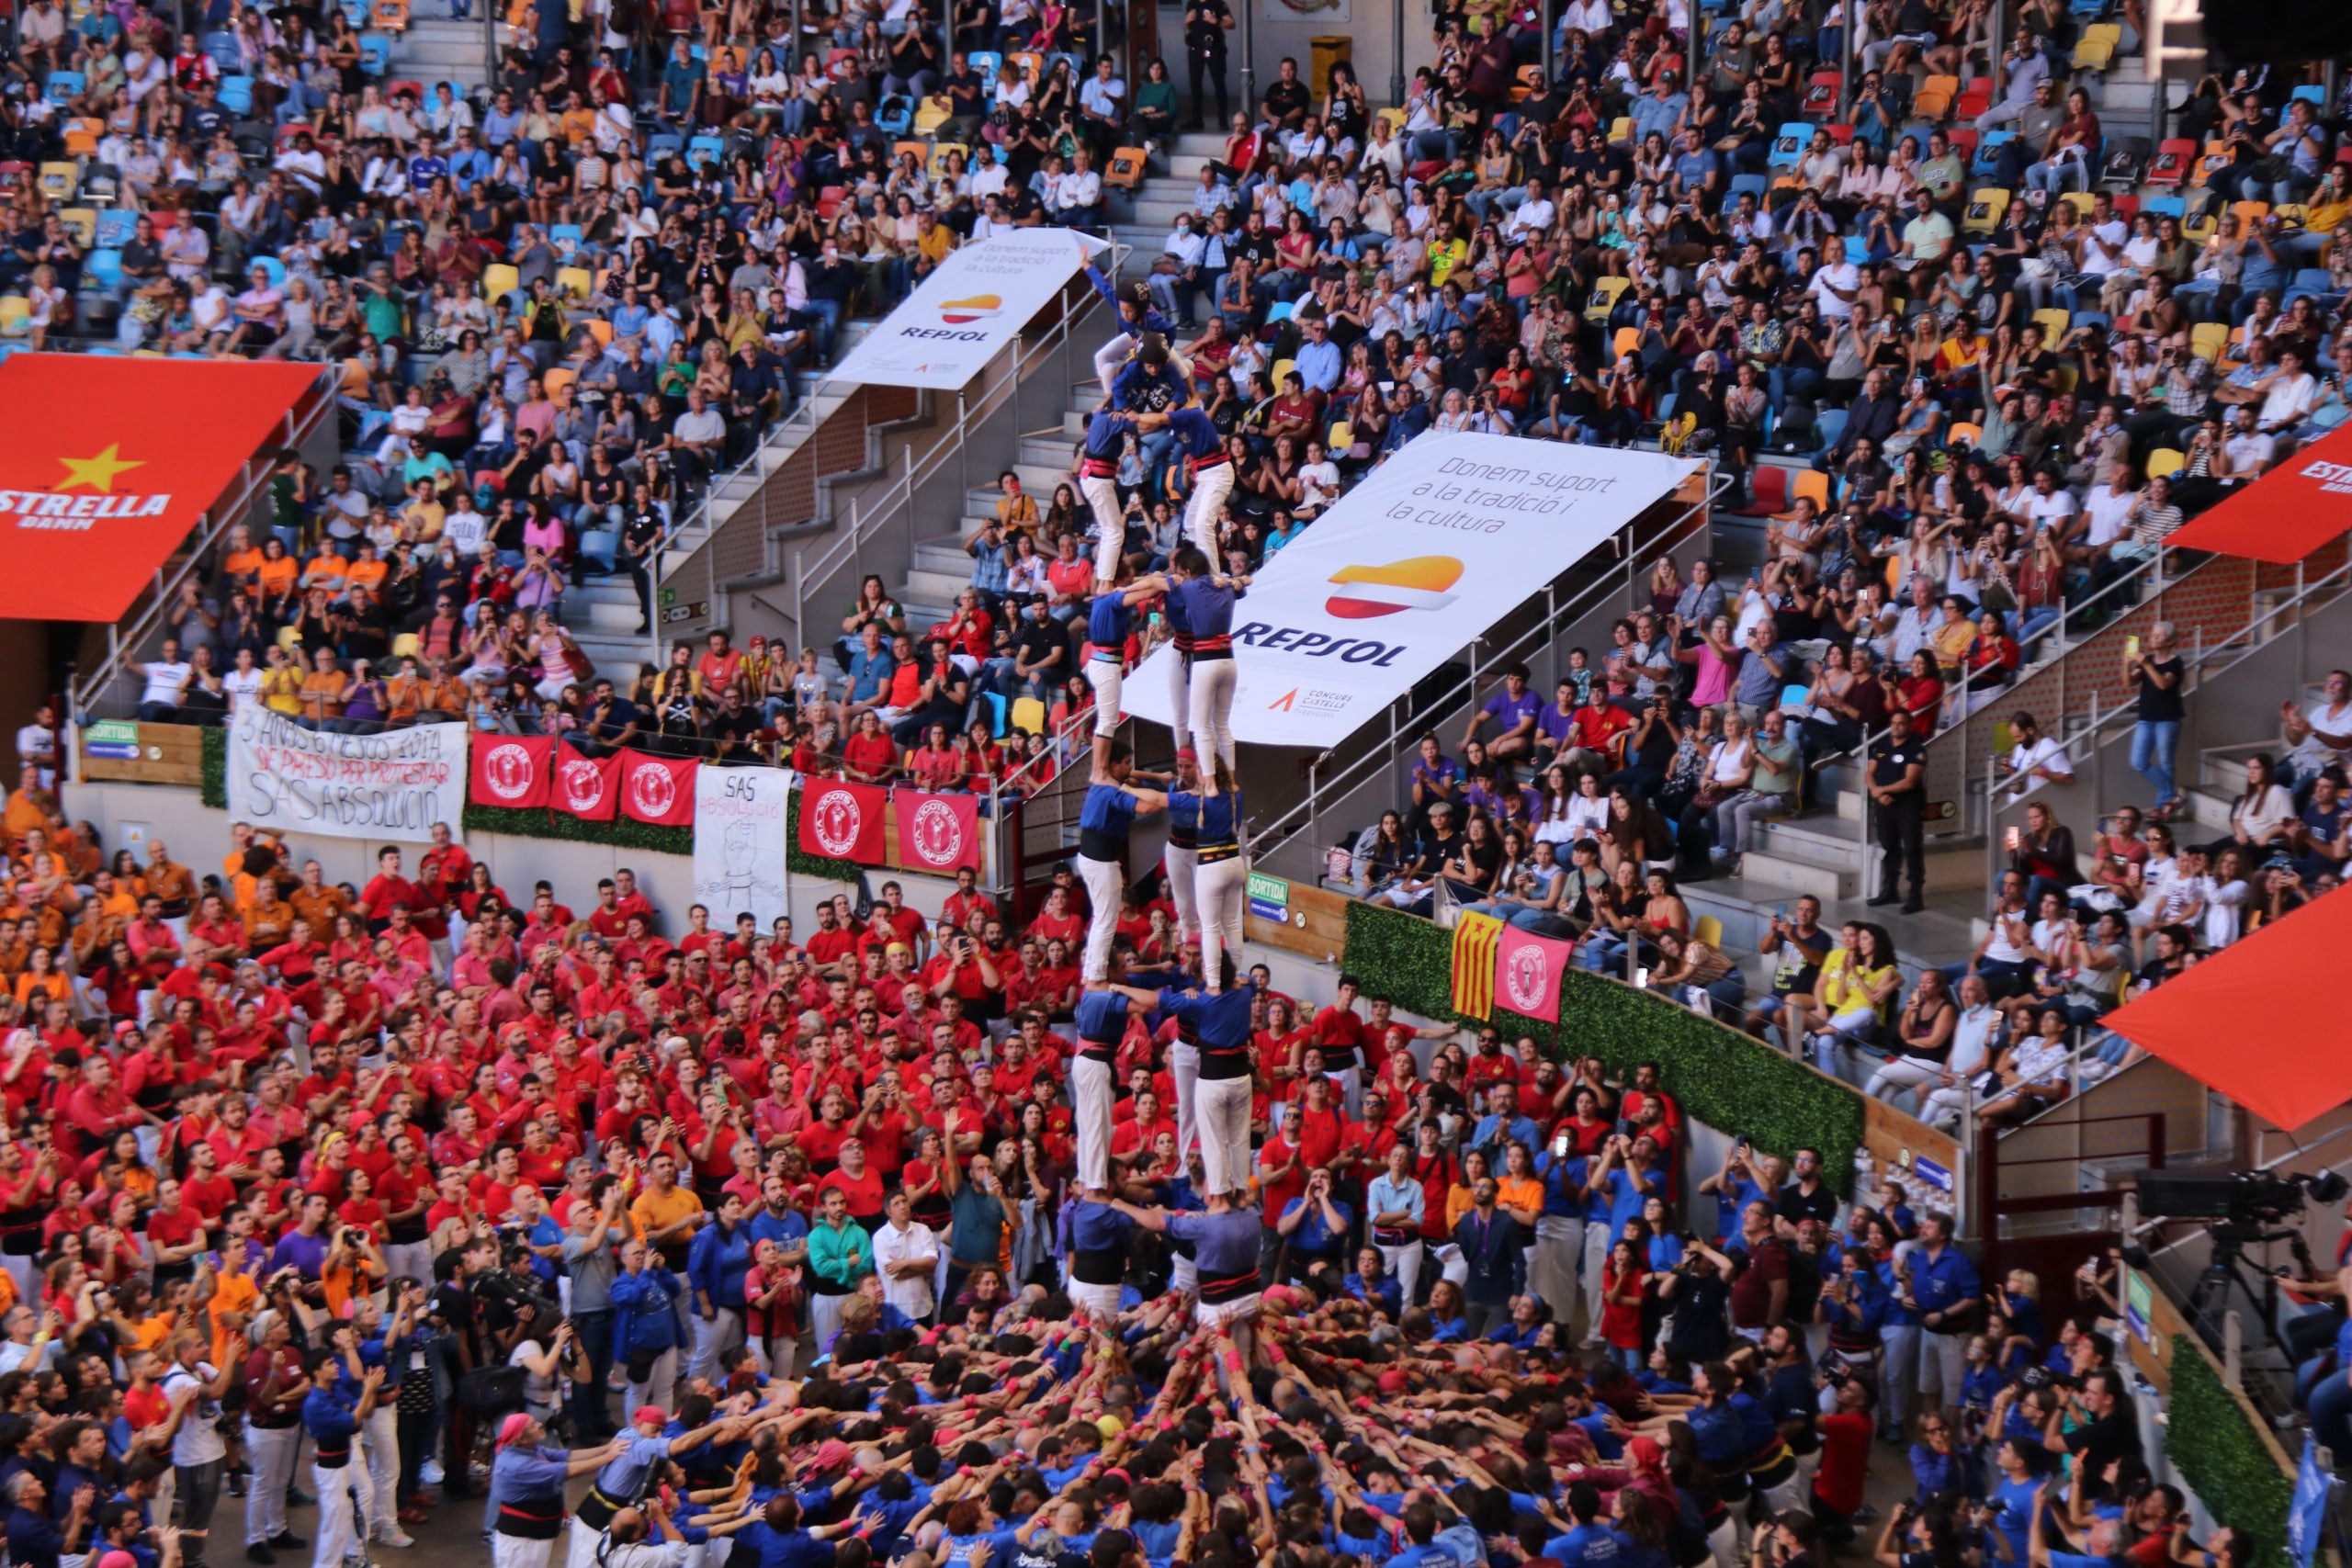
(869, 520)
(804, 414)
(125, 640)
(2153, 567)
(2104, 728)
(1555, 619)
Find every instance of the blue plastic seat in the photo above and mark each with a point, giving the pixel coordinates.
(988, 62)
(1829, 424)
(115, 225)
(237, 95)
(706, 150)
(1988, 153)
(1788, 147)
(375, 54)
(102, 269)
(566, 239)
(63, 84)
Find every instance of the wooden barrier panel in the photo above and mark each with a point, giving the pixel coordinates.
(126, 752)
(1913, 1152)
(1296, 918)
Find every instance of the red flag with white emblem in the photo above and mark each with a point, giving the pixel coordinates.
(937, 832)
(587, 787)
(657, 790)
(842, 821)
(509, 770)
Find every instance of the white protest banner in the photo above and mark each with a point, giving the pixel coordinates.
(740, 842)
(392, 785)
(1435, 545)
(975, 304)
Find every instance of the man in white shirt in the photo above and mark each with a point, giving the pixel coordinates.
(990, 181)
(906, 1256)
(2106, 511)
(2292, 390)
(2248, 451)
(1836, 282)
(465, 528)
(1972, 1052)
(2318, 738)
(37, 746)
(242, 685)
(166, 679)
(2036, 759)
(2050, 501)
(1532, 216)
(1081, 194)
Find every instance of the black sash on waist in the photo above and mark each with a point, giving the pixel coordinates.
(1097, 1265)
(1095, 844)
(1211, 853)
(529, 1526)
(1218, 1289)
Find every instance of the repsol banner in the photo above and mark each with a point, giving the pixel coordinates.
(394, 785)
(1435, 545)
(975, 303)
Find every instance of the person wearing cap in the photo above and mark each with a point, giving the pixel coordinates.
(526, 1482)
(645, 1323)
(632, 1456)
(331, 1416)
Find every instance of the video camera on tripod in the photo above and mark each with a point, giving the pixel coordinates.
(2241, 1208)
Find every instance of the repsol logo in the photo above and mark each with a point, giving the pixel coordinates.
(1318, 645)
(940, 334)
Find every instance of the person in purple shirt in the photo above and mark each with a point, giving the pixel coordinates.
(1436, 777)
(305, 1246)
(1514, 711)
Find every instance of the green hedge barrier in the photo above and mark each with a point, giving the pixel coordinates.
(538, 822)
(2208, 1437)
(1720, 1076)
(215, 788)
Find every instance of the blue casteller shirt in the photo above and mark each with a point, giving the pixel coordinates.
(1208, 610)
(1106, 434)
(1221, 1023)
(1107, 620)
(716, 1262)
(1209, 821)
(1104, 821)
(1197, 435)
(1102, 1020)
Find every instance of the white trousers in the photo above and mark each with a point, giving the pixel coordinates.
(514, 1551)
(1090, 1101)
(1101, 492)
(1554, 1262)
(271, 1451)
(1210, 487)
(1184, 1069)
(1110, 357)
(379, 1442)
(580, 1544)
(1179, 698)
(1218, 887)
(723, 1330)
(661, 1382)
(1903, 1073)
(1101, 1302)
(1596, 1257)
(1181, 864)
(1224, 1132)
(1107, 676)
(1212, 708)
(412, 1259)
(1403, 1266)
(1103, 881)
(334, 1532)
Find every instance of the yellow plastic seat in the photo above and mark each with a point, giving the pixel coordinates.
(499, 279)
(2164, 461)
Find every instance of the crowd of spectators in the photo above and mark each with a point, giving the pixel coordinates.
(337, 1151)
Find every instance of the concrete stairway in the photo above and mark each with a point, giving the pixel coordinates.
(440, 49)
(1044, 459)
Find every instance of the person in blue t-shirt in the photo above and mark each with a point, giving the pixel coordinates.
(1590, 1544)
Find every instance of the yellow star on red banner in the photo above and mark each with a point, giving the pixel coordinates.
(98, 472)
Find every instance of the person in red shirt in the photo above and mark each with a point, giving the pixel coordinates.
(719, 665)
(1340, 1033)
(858, 1183)
(387, 888)
(1282, 1166)
(870, 756)
(1131, 1139)
(959, 905)
(1057, 920)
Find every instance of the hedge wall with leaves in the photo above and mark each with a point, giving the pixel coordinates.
(1721, 1076)
(215, 788)
(2210, 1438)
